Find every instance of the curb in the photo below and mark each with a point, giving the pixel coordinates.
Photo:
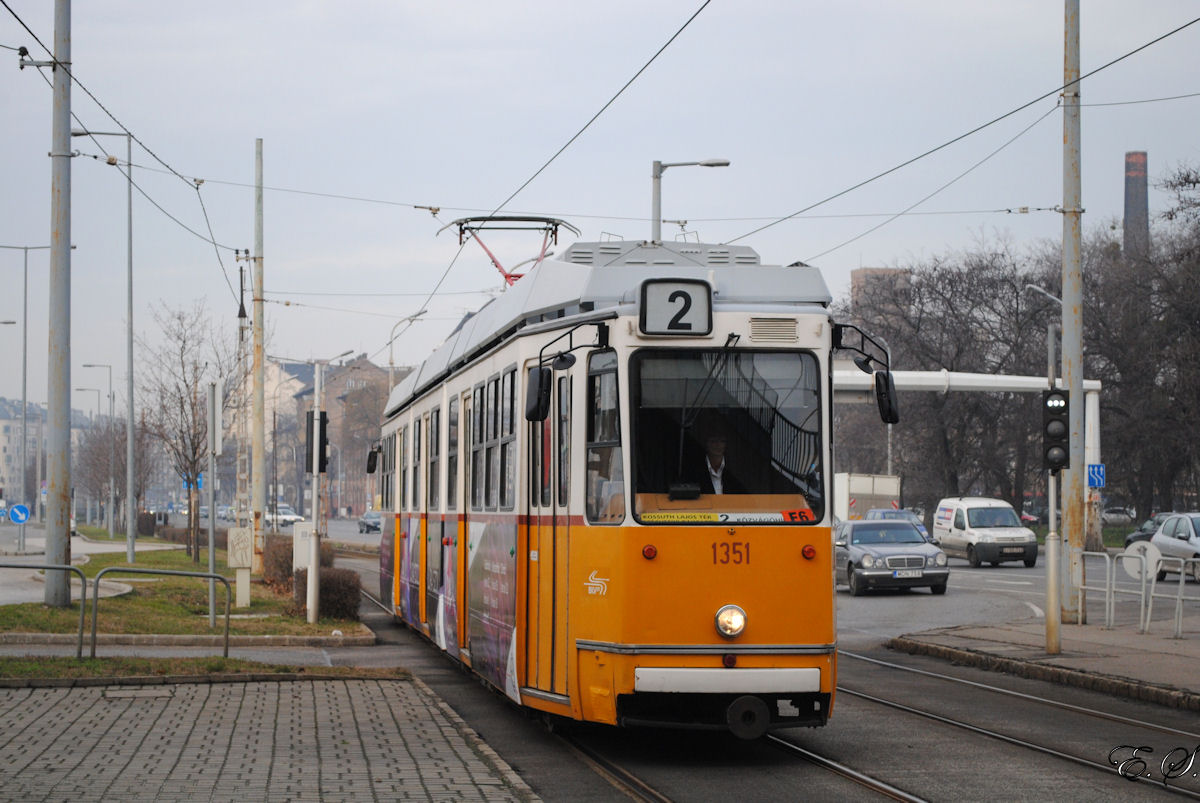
(1107, 684)
(366, 639)
(478, 744)
(171, 680)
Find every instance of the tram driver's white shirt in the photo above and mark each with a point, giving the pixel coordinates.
(715, 475)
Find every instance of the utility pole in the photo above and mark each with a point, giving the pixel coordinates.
(1072, 323)
(313, 597)
(58, 536)
(258, 466)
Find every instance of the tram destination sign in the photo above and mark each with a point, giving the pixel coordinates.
(681, 307)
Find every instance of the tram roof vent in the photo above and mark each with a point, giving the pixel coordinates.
(773, 330)
(581, 256)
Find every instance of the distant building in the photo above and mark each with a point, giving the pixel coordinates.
(10, 446)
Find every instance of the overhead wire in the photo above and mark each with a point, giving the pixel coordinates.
(949, 183)
(603, 108)
(196, 186)
(967, 134)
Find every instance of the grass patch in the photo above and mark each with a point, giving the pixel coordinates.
(30, 667)
(168, 605)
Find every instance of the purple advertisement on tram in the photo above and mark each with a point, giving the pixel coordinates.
(492, 600)
(410, 570)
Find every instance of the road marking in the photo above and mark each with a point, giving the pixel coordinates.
(1036, 610)
(1010, 582)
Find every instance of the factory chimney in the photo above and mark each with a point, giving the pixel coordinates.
(1137, 214)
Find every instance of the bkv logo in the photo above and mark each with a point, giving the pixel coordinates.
(596, 585)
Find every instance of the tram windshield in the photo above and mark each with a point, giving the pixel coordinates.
(726, 435)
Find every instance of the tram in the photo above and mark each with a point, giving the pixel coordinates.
(607, 493)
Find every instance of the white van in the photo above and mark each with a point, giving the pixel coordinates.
(983, 530)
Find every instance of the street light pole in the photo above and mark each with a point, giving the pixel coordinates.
(656, 172)
(24, 376)
(392, 339)
(130, 506)
(97, 391)
(110, 517)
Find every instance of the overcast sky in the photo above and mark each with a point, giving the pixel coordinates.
(368, 110)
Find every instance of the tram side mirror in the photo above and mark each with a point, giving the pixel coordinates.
(537, 394)
(885, 397)
(372, 460)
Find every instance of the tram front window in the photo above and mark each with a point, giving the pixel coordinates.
(725, 435)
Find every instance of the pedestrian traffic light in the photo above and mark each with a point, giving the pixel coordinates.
(322, 438)
(1056, 430)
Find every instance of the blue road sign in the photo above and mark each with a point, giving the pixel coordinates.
(19, 514)
(1095, 475)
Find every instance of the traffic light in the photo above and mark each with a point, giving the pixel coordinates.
(323, 439)
(1056, 430)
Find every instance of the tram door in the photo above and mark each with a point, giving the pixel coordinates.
(548, 462)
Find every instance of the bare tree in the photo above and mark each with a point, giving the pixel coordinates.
(176, 371)
(961, 312)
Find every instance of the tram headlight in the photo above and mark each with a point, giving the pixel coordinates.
(731, 621)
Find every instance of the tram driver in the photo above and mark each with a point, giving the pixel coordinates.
(715, 477)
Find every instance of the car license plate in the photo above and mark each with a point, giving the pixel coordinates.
(906, 573)
(1011, 549)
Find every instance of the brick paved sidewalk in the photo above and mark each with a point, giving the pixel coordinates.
(294, 740)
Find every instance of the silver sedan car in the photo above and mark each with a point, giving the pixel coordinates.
(887, 554)
(1179, 537)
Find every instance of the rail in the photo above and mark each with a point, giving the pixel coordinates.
(1183, 564)
(82, 593)
(171, 572)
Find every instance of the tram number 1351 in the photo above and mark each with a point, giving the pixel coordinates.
(731, 552)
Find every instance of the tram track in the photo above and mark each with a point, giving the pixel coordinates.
(1108, 769)
(837, 768)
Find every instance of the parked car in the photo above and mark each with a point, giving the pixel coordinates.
(1117, 515)
(1147, 528)
(1179, 537)
(369, 522)
(891, 514)
(982, 530)
(887, 554)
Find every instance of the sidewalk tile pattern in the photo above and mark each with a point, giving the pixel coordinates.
(352, 740)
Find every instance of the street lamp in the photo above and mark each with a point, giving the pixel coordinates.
(111, 457)
(392, 339)
(130, 513)
(97, 391)
(24, 376)
(656, 196)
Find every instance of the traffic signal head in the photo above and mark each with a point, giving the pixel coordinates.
(1056, 430)
(322, 440)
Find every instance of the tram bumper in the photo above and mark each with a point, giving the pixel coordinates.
(747, 702)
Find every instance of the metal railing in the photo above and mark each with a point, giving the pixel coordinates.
(102, 572)
(82, 594)
(1149, 586)
(1183, 564)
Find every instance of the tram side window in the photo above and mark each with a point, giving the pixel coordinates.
(508, 439)
(605, 475)
(477, 450)
(452, 456)
(435, 431)
(564, 440)
(491, 450)
(403, 457)
(416, 465)
(387, 476)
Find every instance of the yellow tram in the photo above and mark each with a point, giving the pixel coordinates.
(607, 493)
